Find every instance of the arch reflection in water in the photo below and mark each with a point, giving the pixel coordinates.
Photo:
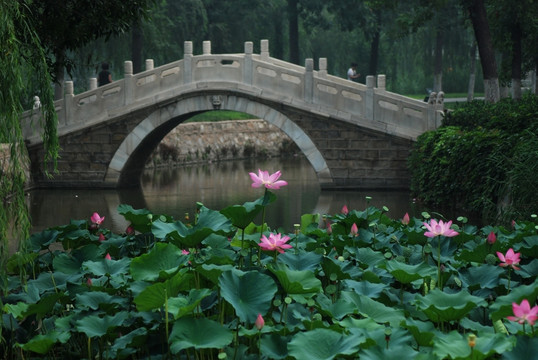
(175, 191)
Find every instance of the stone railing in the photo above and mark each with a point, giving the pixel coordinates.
(256, 75)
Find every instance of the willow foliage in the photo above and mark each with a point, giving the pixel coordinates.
(22, 60)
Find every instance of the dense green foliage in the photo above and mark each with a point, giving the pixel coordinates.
(22, 65)
(481, 160)
(352, 285)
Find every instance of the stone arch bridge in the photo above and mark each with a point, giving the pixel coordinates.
(354, 135)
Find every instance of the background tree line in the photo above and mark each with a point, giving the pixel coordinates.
(418, 44)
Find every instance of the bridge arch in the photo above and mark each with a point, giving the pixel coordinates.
(128, 161)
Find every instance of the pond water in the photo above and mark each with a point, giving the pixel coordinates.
(175, 191)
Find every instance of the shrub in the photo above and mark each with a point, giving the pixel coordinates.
(481, 160)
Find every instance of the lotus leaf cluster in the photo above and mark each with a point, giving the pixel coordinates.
(353, 285)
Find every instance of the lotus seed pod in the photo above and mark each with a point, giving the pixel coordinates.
(491, 259)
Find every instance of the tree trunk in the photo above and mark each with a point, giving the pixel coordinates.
(374, 46)
(136, 48)
(278, 48)
(59, 72)
(293, 23)
(477, 14)
(516, 61)
(438, 62)
(472, 75)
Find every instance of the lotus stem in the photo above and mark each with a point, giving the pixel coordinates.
(439, 263)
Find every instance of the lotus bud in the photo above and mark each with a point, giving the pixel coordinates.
(492, 238)
(259, 323)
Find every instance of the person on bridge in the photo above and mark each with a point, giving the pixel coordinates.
(104, 77)
(352, 72)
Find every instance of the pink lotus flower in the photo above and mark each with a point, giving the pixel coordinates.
(492, 238)
(259, 323)
(130, 230)
(523, 312)
(329, 229)
(108, 257)
(275, 242)
(96, 219)
(509, 259)
(102, 237)
(354, 230)
(89, 282)
(185, 252)
(269, 181)
(344, 210)
(405, 219)
(439, 228)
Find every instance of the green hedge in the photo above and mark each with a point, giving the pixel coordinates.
(483, 160)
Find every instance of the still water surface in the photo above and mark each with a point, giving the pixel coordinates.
(175, 191)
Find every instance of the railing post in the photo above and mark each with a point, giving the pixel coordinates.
(322, 67)
(381, 82)
(68, 102)
(187, 62)
(247, 66)
(128, 81)
(93, 83)
(369, 97)
(149, 64)
(264, 47)
(309, 80)
(206, 47)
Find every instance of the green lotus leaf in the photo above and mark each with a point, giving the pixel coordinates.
(477, 254)
(136, 217)
(526, 348)
(274, 346)
(154, 296)
(198, 333)
(42, 343)
(42, 240)
(183, 305)
(341, 269)
(209, 222)
(95, 326)
(373, 309)
(483, 276)
(455, 345)
(242, 215)
(128, 344)
(294, 281)
(367, 324)
(212, 272)
(322, 344)
(529, 270)
(302, 261)
(528, 247)
(160, 263)
(45, 304)
(16, 310)
(440, 306)
(502, 307)
(422, 331)
(48, 282)
(391, 352)
(106, 267)
(337, 309)
(365, 288)
(71, 263)
(309, 222)
(96, 299)
(369, 257)
(406, 274)
(250, 293)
